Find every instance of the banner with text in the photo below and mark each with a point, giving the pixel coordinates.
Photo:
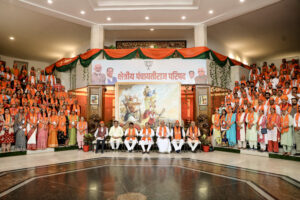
(108, 72)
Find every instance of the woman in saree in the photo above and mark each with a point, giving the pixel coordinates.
(32, 121)
(42, 139)
(53, 126)
(73, 120)
(7, 133)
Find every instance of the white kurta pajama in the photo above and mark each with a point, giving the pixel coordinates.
(131, 140)
(251, 133)
(193, 143)
(178, 142)
(242, 140)
(115, 132)
(164, 145)
(146, 140)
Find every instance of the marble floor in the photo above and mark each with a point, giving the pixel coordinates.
(117, 175)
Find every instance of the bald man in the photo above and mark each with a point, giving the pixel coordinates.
(202, 77)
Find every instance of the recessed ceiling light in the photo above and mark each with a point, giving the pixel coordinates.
(50, 1)
(152, 29)
(82, 12)
(108, 18)
(183, 17)
(11, 38)
(210, 11)
(242, 1)
(147, 18)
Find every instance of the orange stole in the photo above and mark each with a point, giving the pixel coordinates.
(7, 121)
(160, 131)
(73, 118)
(53, 118)
(177, 133)
(192, 131)
(250, 119)
(284, 121)
(61, 127)
(271, 120)
(82, 126)
(217, 121)
(144, 133)
(297, 119)
(228, 121)
(131, 132)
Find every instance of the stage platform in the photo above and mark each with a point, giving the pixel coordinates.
(117, 175)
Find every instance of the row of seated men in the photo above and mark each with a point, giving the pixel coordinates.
(165, 137)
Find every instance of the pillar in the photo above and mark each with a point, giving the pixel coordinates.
(200, 35)
(97, 37)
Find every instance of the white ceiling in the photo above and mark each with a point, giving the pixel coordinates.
(48, 32)
(133, 12)
(268, 32)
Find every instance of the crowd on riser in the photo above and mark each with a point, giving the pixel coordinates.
(262, 110)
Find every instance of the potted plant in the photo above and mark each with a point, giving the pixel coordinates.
(205, 142)
(88, 141)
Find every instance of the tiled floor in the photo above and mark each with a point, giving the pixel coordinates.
(278, 166)
(156, 176)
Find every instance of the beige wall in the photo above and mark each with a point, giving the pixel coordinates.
(31, 63)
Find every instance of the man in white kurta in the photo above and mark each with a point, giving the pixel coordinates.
(193, 133)
(178, 135)
(130, 140)
(115, 133)
(297, 130)
(146, 135)
(163, 142)
(251, 132)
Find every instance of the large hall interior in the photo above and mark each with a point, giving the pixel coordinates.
(149, 100)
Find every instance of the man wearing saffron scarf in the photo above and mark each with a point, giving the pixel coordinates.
(297, 130)
(251, 132)
(178, 135)
(131, 134)
(286, 123)
(146, 137)
(163, 142)
(115, 133)
(193, 133)
(273, 124)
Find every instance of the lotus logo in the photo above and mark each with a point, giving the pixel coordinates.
(148, 64)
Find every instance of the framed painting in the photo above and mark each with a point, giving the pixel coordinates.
(151, 44)
(94, 100)
(147, 102)
(203, 100)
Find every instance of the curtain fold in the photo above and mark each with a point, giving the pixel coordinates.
(87, 57)
(195, 52)
(113, 54)
(156, 53)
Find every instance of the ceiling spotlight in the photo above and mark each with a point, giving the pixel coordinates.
(211, 12)
(82, 12)
(108, 18)
(50, 1)
(183, 17)
(11, 38)
(152, 29)
(242, 1)
(147, 18)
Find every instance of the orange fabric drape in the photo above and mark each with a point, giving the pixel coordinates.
(157, 53)
(118, 53)
(89, 53)
(65, 61)
(50, 68)
(192, 52)
(220, 56)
